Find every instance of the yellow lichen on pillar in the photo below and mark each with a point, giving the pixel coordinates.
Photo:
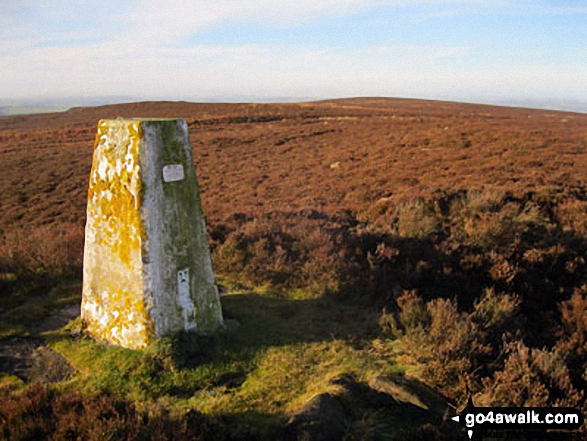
(113, 305)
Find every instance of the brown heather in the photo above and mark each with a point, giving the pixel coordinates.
(40, 412)
(466, 224)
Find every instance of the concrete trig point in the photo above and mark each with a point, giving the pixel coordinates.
(147, 266)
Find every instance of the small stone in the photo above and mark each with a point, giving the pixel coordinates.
(323, 418)
(407, 390)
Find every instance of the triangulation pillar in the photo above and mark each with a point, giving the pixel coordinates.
(147, 265)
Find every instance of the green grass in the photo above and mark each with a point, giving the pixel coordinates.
(276, 354)
(252, 376)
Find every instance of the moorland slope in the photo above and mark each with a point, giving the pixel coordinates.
(368, 249)
(327, 155)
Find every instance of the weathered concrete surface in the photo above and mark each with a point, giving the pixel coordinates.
(147, 266)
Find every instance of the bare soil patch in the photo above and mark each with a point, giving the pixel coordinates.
(29, 358)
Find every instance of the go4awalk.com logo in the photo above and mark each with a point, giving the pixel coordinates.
(484, 419)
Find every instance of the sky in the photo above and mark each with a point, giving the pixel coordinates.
(488, 51)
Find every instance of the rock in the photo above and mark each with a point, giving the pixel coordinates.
(407, 390)
(347, 388)
(48, 366)
(321, 418)
(30, 360)
(16, 356)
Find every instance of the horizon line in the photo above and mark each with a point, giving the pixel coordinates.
(64, 104)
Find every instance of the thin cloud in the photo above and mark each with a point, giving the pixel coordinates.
(427, 16)
(147, 50)
(564, 10)
(151, 17)
(151, 21)
(270, 70)
(154, 22)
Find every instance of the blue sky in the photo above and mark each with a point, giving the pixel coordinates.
(494, 51)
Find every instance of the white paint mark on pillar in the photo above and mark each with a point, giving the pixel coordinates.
(185, 302)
